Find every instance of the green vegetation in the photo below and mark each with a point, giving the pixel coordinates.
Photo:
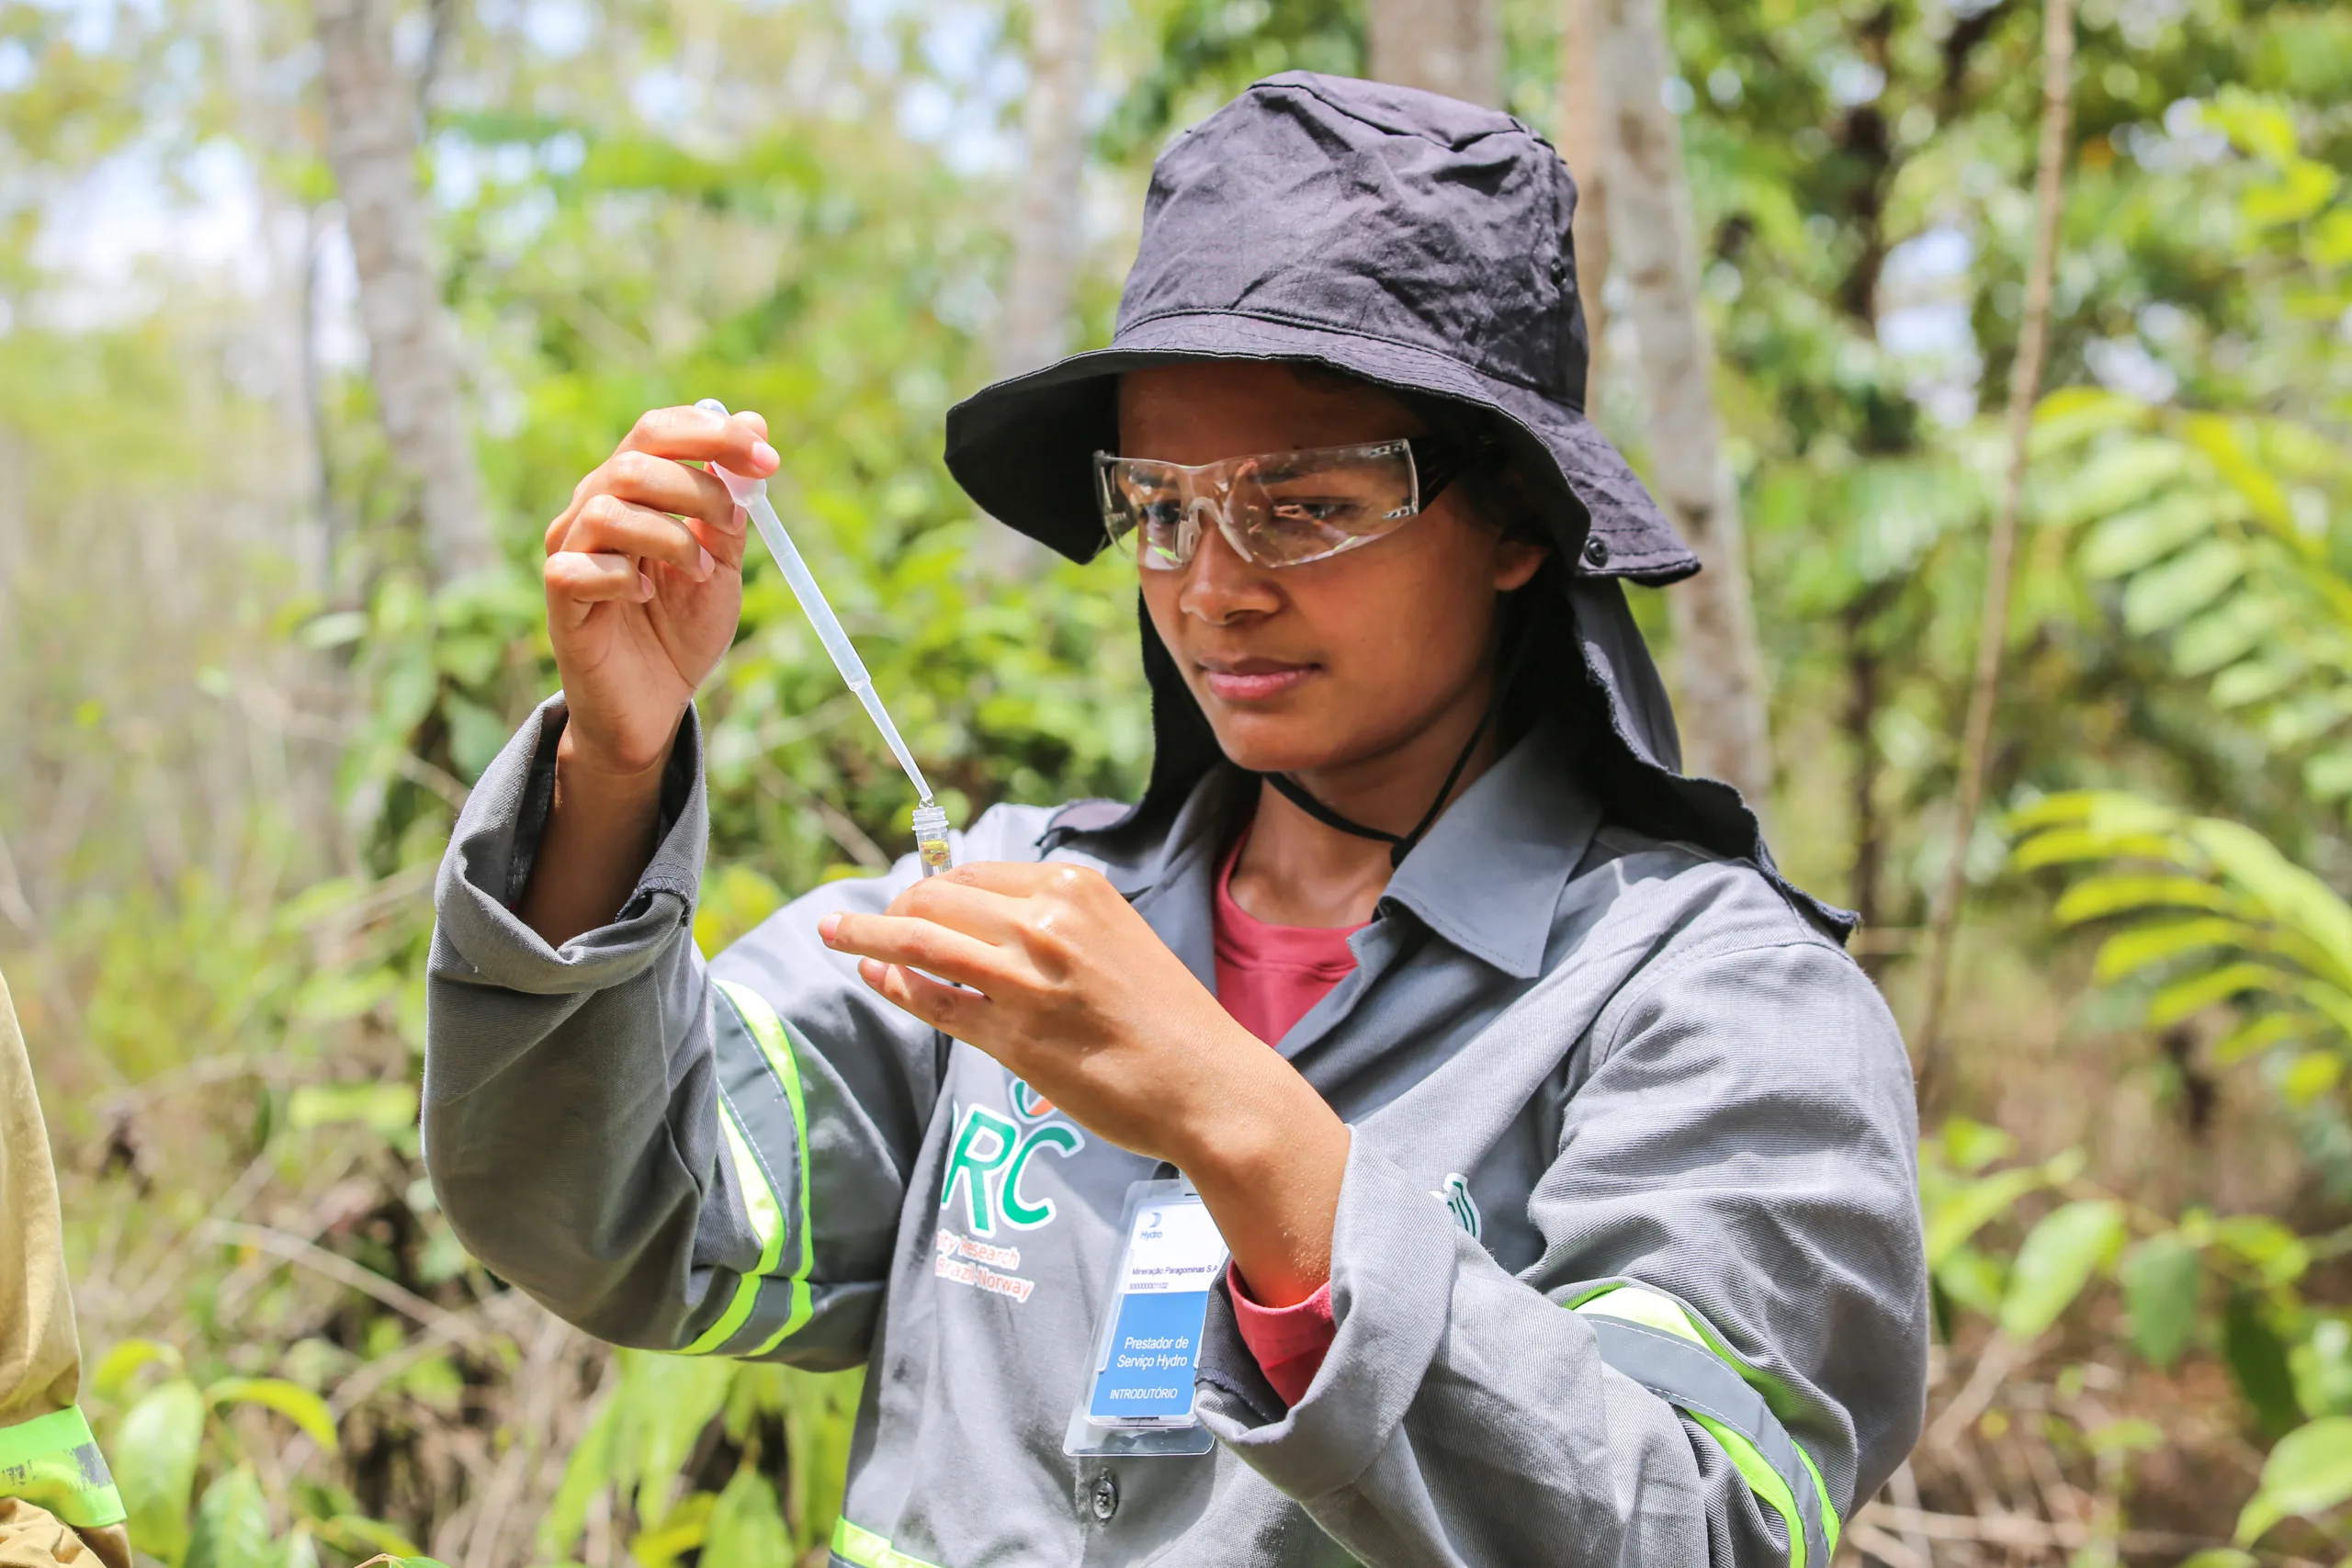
(240, 709)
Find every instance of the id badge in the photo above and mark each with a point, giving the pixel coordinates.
(1139, 1397)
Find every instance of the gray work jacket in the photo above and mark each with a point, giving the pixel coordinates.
(1581, 1067)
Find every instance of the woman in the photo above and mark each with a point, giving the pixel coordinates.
(1570, 1214)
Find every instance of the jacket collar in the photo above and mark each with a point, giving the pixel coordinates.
(1487, 877)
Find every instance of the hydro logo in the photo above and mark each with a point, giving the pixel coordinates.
(988, 1160)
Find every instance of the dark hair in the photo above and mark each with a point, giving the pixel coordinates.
(1497, 492)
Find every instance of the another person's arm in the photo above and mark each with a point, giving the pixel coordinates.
(54, 1489)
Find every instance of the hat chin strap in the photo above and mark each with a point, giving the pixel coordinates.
(1401, 844)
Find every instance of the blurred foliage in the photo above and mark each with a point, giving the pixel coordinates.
(239, 723)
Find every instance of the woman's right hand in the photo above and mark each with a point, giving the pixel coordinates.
(645, 582)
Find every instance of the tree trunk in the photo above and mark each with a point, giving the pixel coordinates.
(1040, 291)
(1719, 665)
(372, 139)
(281, 315)
(1455, 47)
(1583, 115)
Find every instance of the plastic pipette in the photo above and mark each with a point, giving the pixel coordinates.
(751, 495)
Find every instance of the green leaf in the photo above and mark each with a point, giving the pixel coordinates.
(747, 1524)
(2258, 1360)
(2308, 1472)
(1972, 1146)
(2303, 189)
(2161, 1277)
(2256, 1033)
(681, 1530)
(2068, 846)
(357, 1533)
(2184, 998)
(1966, 1212)
(2058, 1259)
(1974, 1280)
(2328, 775)
(587, 1473)
(232, 1525)
(2127, 952)
(383, 1108)
(291, 1399)
(154, 1459)
(2129, 541)
(2258, 679)
(2118, 475)
(2168, 594)
(2276, 1251)
(664, 1402)
(2121, 893)
(2227, 633)
(301, 1550)
(2310, 1076)
(122, 1363)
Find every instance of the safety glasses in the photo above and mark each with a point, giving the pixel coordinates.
(1275, 509)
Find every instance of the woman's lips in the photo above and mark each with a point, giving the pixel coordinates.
(1253, 681)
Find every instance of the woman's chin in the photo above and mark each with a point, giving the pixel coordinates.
(1276, 743)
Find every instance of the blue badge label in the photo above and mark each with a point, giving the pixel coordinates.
(1144, 1377)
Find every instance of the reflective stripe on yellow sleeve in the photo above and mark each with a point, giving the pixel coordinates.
(54, 1461)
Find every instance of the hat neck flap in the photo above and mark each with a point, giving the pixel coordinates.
(1584, 667)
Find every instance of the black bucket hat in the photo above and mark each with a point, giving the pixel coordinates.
(1421, 245)
(1408, 240)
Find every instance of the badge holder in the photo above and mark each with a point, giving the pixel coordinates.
(1139, 1394)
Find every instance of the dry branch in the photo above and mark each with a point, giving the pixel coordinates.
(1992, 633)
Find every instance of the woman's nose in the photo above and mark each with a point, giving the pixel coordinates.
(1219, 585)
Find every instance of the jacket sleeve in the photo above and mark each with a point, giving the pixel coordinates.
(1730, 1311)
(668, 1154)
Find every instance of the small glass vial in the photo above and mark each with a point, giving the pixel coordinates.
(930, 839)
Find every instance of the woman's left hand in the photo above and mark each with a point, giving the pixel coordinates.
(1071, 990)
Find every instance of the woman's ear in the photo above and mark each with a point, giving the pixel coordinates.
(1516, 563)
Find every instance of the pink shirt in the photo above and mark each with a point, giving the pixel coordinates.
(1268, 976)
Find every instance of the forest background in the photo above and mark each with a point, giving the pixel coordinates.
(310, 315)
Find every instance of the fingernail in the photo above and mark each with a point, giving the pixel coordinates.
(644, 586)
(702, 572)
(764, 455)
(827, 927)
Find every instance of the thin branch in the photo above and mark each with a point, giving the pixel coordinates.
(2000, 1357)
(2023, 1534)
(2025, 388)
(344, 1271)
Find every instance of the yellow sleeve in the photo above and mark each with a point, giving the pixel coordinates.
(46, 1455)
(40, 1364)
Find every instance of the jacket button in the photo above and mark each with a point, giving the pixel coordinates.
(1596, 550)
(1106, 1497)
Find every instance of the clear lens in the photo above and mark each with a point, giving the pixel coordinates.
(1301, 506)
(1277, 509)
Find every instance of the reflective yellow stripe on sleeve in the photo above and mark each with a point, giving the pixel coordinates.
(52, 1460)
(866, 1550)
(1653, 1339)
(763, 1198)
